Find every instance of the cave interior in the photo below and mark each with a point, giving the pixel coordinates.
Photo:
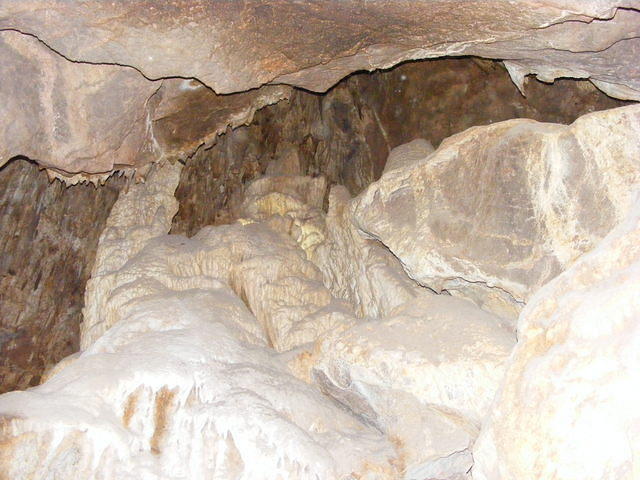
(417, 268)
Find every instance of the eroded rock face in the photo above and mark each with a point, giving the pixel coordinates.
(97, 69)
(177, 367)
(194, 39)
(210, 355)
(346, 135)
(78, 118)
(568, 405)
(498, 211)
(358, 269)
(48, 239)
(60, 113)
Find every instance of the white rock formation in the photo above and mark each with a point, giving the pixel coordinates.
(199, 354)
(354, 268)
(426, 376)
(497, 211)
(568, 407)
(143, 211)
(173, 391)
(181, 383)
(358, 269)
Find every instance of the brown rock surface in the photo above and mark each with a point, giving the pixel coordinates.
(234, 46)
(435, 99)
(80, 118)
(48, 238)
(92, 109)
(346, 135)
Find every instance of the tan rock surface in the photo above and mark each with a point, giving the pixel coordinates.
(358, 269)
(97, 69)
(568, 406)
(79, 118)
(258, 260)
(60, 113)
(498, 211)
(234, 47)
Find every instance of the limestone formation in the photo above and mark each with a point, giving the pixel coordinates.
(175, 378)
(177, 364)
(234, 47)
(358, 269)
(97, 69)
(498, 211)
(142, 212)
(267, 269)
(312, 335)
(425, 375)
(567, 408)
(76, 118)
(174, 391)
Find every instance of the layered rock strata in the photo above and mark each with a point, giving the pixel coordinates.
(97, 70)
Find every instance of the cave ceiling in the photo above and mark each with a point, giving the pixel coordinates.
(90, 87)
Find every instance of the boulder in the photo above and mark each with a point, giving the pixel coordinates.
(358, 269)
(568, 405)
(497, 211)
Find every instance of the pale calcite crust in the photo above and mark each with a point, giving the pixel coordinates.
(425, 375)
(175, 379)
(291, 344)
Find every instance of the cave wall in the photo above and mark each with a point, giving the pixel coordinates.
(346, 135)
(48, 238)
(50, 233)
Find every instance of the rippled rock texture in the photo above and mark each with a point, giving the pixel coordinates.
(176, 362)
